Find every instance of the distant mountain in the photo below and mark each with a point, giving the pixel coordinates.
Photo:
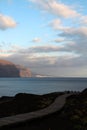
(8, 69)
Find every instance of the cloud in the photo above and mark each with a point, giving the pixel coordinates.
(55, 7)
(73, 36)
(83, 20)
(7, 48)
(56, 24)
(58, 40)
(6, 22)
(41, 62)
(78, 37)
(41, 49)
(14, 49)
(36, 40)
(36, 61)
(75, 32)
(58, 65)
(46, 49)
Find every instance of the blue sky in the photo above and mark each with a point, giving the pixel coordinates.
(48, 36)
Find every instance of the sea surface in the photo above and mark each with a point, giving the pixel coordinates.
(12, 86)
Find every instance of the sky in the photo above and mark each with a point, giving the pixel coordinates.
(48, 36)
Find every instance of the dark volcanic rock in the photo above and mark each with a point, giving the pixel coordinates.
(84, 92)
(23, 103)
(8, 69)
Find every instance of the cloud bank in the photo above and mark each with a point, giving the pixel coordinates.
(56, 8)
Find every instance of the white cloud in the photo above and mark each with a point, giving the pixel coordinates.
(56, 24)
(6, 22)
(58, 40)
(36, 40)
(56, 7)
(83, 20)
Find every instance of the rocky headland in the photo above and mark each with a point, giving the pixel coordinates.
(8, 69)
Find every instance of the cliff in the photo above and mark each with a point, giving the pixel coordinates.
(8, 69)
(23, 71)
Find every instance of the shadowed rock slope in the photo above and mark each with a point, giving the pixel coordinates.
(8, 69)
(73, 116)
(24, 103)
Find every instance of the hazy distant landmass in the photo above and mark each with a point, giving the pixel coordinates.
(8, 69)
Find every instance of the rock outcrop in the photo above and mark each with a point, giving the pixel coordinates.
(8, 69)
(23, 71)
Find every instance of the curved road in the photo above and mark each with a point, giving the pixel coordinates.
(54, 107)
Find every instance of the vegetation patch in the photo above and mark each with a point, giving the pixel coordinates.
(75, 111)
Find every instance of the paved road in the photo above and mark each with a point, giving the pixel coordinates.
(54, 107)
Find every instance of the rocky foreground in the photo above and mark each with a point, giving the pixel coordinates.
(24, 103)
(73, 116)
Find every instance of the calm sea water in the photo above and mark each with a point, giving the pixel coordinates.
(12, 86)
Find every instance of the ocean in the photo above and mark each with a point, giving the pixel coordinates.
(12, 86)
